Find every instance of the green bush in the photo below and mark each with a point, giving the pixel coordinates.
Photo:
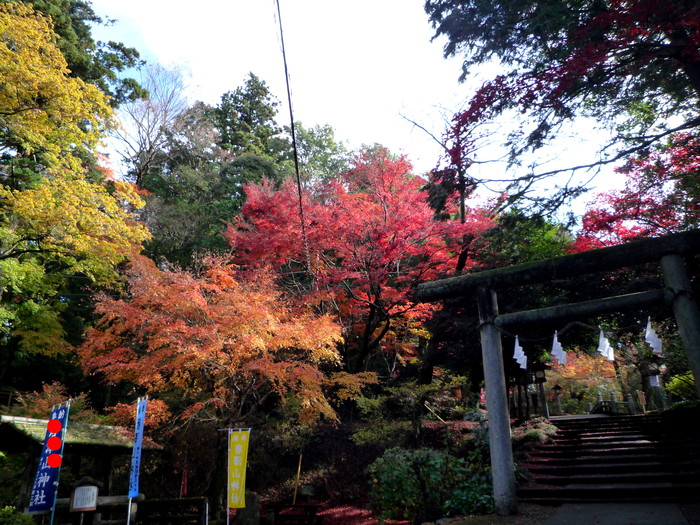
(474, 496)
(682, 386)
(395, 416)
(11, 473)
(425, 484)
(533, 431)
(8, 516)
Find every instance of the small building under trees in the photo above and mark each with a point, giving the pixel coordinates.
(90, 450)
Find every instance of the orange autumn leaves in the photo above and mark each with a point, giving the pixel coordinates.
(225, 346)
(230, 342)
(584, 374)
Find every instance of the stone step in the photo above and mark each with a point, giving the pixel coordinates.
(661, 426)
(617, 479)
(598, 461)
(612, 427)
(648, 450)
(625, 441)
(601, 443)
(622, 433)
(624, 458)
(656, 427)
(600, 431)
(555, 500)
(659, 433)
(640, 468)
(605, 419)
(617, 492)
(620, 442)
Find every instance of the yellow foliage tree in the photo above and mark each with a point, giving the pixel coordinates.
(73, 222)
(58, 226)
(43, 111)
(61, 227)
(582, 378)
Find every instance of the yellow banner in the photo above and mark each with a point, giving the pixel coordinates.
(237, 459)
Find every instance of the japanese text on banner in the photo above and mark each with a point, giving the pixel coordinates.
(136, 453)
(237, 459)
(43, 492)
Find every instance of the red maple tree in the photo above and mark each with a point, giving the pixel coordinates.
(661, 196)
(370, 238)
(632, 65)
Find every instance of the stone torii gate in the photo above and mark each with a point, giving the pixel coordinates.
(669, 251)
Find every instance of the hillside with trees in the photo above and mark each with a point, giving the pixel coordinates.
(235, 292)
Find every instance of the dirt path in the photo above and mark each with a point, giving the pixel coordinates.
(356, 515)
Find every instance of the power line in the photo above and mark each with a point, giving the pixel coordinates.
(294, 146)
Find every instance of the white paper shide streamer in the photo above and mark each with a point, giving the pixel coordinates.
(519, 355)
(604, 347)
(558, 351)
(652, 339)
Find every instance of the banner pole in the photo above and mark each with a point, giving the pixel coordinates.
(228, 473)
(296, 483)
(128, 509)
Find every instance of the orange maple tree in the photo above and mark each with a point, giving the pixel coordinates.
(221, 345)
(584, 376)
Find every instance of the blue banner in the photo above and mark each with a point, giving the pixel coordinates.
(43, 494)
(136, 454)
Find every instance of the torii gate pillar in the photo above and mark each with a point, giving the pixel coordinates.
(502, 471)
(685, 309)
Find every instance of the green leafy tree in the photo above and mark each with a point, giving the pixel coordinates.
(245, 118)
(179, 213)
(60, 229)
(189, 208)
(520, 238)
(321, 156)
(196, 188)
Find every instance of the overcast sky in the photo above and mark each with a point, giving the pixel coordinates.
(358, 66)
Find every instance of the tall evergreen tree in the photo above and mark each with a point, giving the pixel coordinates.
(245, 118)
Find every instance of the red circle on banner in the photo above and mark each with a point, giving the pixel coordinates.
(54, 443)
(54, 426)
(54, 460)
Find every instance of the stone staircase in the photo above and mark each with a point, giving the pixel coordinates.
(642, 458)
